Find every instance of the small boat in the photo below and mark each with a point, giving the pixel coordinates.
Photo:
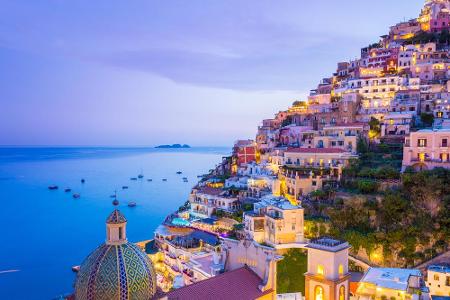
(131, 204)
(67, 190)
(52, 187)
(164, 179)
(149, 180)
(112, 196)
(76, 196)
(76, 269)
(115, 202)
(83, 181)
(125, 187)
(179, 172)
(185, 179)
(140, 176)
(133, 178)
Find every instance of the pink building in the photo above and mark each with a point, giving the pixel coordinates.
(427, 149)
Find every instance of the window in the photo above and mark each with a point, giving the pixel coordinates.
(320, 270)
(341, 270)
(120, 233)
(436, 277)
(318, 293)
(342, 293)
(421, 157)
(422, 142)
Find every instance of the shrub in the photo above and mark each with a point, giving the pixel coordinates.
(367, 186)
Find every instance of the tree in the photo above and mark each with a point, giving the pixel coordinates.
(290, 272)
(427, 119)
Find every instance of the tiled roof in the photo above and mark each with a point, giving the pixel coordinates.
(239, 284)
(315, 150)
(210, 190)
(116, 217)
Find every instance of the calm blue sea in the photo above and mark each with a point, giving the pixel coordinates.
(44, 233)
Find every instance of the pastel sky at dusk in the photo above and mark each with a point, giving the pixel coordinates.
(150, 72)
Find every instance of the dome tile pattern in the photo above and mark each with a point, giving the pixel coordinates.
(111, 272)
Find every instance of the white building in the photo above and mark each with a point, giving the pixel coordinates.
(438, 280)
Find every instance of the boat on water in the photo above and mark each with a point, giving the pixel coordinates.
(133, 178)
(131, 204)
(76, 196)
(115, 202)
(140, 176)
(67, 190)
(149, 180)
(52, 187)
(179, 172)
(75, 269)
(83, 181)
(164, 179)
(125, 187)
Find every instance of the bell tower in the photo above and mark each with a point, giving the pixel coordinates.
(327, 277)
(116, 224)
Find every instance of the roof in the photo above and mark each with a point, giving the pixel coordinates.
(391, 278)
(239, 284)
(314, 150)
(210, 190)
(128, 270)
(116, 217)
(439, 268)
(440, 297)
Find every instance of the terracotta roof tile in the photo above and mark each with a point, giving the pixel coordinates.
(239, 284)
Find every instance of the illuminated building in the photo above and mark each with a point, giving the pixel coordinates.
(327, 277)
(390, 283)
(438, 280)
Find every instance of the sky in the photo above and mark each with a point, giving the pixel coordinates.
(143, 73)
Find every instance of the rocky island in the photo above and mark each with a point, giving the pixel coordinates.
(173, 146)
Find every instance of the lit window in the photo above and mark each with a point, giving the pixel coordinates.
(341, 270)
(342, 293)
(318, 293)
(320, 270)
(422, 142)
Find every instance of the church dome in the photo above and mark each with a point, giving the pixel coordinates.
(117, 269)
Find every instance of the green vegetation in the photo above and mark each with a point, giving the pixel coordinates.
(399, 221)
(427, 119)
(427, 37)
(290, 272)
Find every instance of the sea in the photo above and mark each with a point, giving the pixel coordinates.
(43, 233)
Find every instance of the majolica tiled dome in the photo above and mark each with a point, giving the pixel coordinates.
(116, 270)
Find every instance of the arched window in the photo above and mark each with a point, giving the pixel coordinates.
(320, 270)
(341, 270)
(342, 293)
(318, 293)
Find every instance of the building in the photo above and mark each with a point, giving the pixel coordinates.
(332, 158)
(427, 149)
(250, 274)
(438, 280)
(327, 277)
(205, 201)
(278, 223)
(396, 124)
(340, 136)
(245, 151)
(391, 283)
(117, 269)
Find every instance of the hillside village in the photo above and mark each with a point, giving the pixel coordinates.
(344, 195)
